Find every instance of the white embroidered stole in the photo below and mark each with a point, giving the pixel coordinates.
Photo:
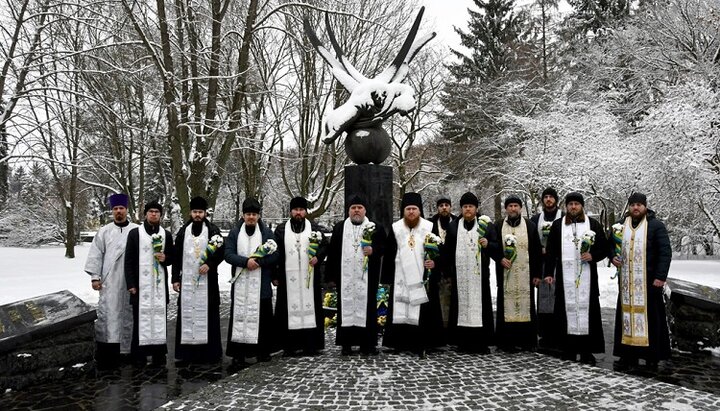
(468, 269)
(152, 315)
(246, 292)
(194, 289)
(633, 285)
(301, 300)
(516, 280)
(577, 294)
(409, 291)
(542, 221)
(354, 282)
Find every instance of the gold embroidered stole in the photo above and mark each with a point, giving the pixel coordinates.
(633, 285)
(516, 280)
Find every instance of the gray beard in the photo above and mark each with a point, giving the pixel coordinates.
(357, 220)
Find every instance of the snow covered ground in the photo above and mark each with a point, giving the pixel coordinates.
(29, 272)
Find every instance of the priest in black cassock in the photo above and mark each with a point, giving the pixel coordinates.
(467, 264)
(516, 281)
(251, 332)
(444, 216)
(355, 269)
(148, 253)
(195, 277)
(546, 291)
(414, 320)
(578, 325)
(299, 312)
(641, 330)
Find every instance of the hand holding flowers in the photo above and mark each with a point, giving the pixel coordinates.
(213, 244)
(158, 242)
(588, 239)
(312, 250)
(269, 247)
(431, 245)
(366, 241)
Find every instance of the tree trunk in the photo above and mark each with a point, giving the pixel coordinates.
(4, 169)
(70, 230)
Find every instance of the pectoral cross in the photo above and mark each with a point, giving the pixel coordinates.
(411, 241)
(575, 240)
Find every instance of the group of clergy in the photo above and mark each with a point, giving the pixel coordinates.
(128, 266)
(553, 255)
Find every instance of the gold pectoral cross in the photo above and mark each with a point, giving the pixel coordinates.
(411, 241)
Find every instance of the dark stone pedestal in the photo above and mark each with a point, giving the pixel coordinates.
(375, 183)
(45, 338)
(694, 315)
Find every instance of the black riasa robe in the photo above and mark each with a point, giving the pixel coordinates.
(594, 342)
(132, 275)
(356, 336)
(212, 351)
(309, 339)
(522, 335)
(658, 258)
(469, 338)
(267, 341)
(429, 333)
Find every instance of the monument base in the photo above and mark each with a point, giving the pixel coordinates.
(374, 183)
(45, 338)
(694, 315)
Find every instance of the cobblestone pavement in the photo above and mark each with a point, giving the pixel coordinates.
(445, 380)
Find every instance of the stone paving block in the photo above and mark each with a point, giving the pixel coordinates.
(445, 380)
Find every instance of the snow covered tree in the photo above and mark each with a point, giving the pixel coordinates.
(495, 79)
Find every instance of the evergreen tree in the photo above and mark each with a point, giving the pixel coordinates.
(489, 82)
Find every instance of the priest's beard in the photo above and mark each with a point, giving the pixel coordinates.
(411, 222)
(357, 219)
(297, 224)
(637, 219)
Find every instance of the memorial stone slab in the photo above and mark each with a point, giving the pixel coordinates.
(694, 315)
(43, 337)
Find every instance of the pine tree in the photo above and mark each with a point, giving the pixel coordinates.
(487, 83)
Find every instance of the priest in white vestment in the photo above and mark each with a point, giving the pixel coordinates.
(197, 331)
(251, 330)
(578, 325)
(355, 269)
(467, 264)
(414, 320)
(148, 253)
(106, 266)
(299, 311)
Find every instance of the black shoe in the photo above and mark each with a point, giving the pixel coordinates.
(627, 361)
(264, 357)
(587, 358)
(290, 353)
(310, 352)
(159, 360)
(369, 351)
(238, 363)
(651, 363)
(346, 350)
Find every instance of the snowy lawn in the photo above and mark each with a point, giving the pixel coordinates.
(39, 271)
(45, 270)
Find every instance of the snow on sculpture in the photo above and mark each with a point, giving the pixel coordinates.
(372, 100)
